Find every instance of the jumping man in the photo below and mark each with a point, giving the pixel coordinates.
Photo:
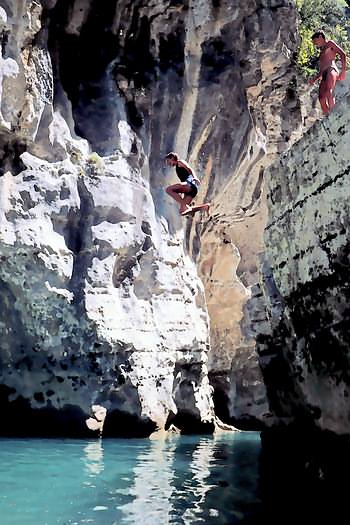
(185, 191)
(329, 73)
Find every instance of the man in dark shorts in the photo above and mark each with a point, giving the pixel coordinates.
(185, 191)
(329, 73)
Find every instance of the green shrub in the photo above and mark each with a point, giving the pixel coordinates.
(328, 15)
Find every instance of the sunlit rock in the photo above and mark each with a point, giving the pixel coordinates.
(102, 300)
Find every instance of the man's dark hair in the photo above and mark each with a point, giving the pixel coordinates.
(317, 34)
(172, 155)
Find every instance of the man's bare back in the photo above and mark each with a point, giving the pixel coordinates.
(329, 72)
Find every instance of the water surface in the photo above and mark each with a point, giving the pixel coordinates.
(178, 480)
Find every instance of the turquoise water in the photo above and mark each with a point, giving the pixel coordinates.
(179, 480)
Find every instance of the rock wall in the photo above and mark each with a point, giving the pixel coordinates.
(99, 302)
(102, 304)
(257, 114)
(305, 356)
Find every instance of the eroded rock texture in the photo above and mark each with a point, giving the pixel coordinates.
(305, 357)
(101, 305)
(99, 302)
(256, 115)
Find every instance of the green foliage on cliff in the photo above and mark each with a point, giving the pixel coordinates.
(328, 15)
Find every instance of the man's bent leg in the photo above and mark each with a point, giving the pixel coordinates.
(186, 203)
(174, 192)
(322, 97)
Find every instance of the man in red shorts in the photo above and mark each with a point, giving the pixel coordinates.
(329, 73)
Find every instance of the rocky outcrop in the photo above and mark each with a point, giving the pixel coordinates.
(98, 302)
(213, 82)
(305, 355)
(102, 305)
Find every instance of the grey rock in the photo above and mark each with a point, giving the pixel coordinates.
(103, 302)
(307, 249)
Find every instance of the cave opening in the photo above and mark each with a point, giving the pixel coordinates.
(89, 61)
(81, 57)
(221, 401)
(105, 60)
(21, 420)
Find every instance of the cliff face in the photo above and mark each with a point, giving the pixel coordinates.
(253, 115)
(305, 356)
(101, 304)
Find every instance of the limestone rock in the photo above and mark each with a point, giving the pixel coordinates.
(101, 300)
(258, 114)
(212, 81)
(306, 354)
(97, 307)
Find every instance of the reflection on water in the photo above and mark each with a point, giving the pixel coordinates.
(198, 485)
(179, 480)
(171, 481)
(93, 458)
(152, 488)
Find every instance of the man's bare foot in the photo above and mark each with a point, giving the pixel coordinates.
(207, 207)
(187, 209)
(193, 209)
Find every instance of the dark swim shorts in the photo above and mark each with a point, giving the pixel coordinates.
(326, 71)
(194, 186)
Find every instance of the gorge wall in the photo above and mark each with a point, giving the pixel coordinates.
(305, 356)
(101, 300)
